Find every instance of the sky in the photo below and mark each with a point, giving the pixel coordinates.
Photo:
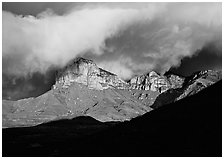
(127, 39)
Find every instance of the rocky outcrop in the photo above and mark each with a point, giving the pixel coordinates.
(86, 72)
(175, 81)
(155, 82)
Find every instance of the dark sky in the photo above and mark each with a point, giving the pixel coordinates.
(14, 88)
(175, 38)
(209, 57)
(34, 8)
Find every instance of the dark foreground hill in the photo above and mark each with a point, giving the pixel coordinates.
(189, 127)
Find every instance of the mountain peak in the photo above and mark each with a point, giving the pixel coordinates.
(153, 74)
(86, 72)
(82, 60)
(76, 64)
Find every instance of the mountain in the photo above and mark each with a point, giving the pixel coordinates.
(191, 127)
(81, 89)
(154, 82)
(84, 89)
(191, 85)
(86, 72)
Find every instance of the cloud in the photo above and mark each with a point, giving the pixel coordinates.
(206, 58)
(117, 67)
(173, 34)
(131, 38)
(50, 39)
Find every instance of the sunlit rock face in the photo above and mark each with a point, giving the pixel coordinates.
(86, 72)
(155, 82)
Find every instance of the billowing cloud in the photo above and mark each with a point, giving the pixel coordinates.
(153, 32)
(50, 39)
(124, 38)
(177, 32)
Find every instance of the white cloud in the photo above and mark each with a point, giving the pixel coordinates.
(54, 40)
(36, 43)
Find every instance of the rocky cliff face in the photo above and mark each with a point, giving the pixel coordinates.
(155, 82)
(86, 72)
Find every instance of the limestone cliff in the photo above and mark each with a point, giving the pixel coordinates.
(155, 82)
(86, 72)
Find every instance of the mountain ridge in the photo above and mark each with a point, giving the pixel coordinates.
(84, 89)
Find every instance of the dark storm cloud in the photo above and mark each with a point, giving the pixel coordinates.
(14, 87)
(207, 58)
